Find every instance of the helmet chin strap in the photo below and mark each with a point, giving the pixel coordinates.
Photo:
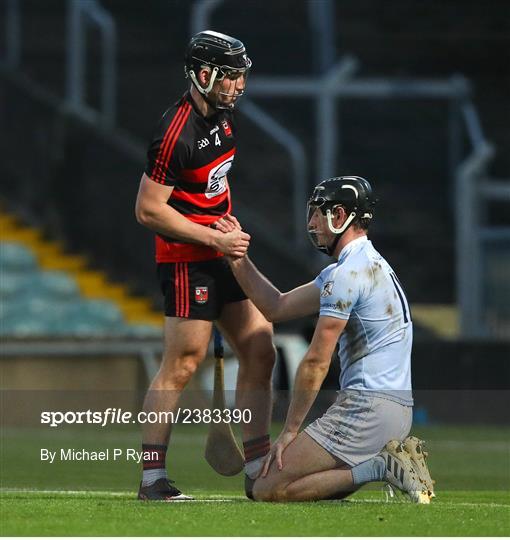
(338, 232)
(205, 91)
(200, 88)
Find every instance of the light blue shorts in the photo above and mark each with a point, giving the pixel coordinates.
(358, 426)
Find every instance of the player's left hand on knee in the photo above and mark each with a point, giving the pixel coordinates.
(276, 452)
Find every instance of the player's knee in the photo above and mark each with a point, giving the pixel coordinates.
(184, 373)
(271, 495)
(262, 494)
(264, 491)
(280, 495)
(185, 369)
(179, 371)
(259, 355)
(263, 360)
(268, 355)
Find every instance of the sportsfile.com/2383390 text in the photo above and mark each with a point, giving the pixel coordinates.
(113, 415)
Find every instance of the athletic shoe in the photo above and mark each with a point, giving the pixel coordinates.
(161, 490)
(248, 486)
(401, 474)
(415, 448)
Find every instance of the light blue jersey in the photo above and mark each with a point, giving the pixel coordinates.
(375, 347)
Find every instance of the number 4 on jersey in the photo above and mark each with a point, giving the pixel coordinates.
(217, 140)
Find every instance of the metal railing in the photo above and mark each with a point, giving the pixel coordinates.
(81, 14)
(336, 85)
(12, 34)
(473, 189)
(298, 158)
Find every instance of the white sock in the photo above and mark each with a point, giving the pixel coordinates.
(252, 468)
(151, 475)
(371, 470)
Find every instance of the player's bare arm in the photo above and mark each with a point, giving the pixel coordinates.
(273, 304)
(309, 377)
(152, 211)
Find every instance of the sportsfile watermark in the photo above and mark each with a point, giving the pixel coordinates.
(83, 454)
(48, 436)
(117, 416)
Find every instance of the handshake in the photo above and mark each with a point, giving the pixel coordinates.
(232, 241)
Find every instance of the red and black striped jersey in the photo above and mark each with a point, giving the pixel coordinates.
(193, 154)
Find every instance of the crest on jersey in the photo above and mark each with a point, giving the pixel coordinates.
(226, 128)
(217, 180)
(201, 295)
(327, 289)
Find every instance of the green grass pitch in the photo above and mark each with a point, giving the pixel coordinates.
(471, 466)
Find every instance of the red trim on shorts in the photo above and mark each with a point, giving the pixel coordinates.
(181, 284)
(183, 291)
(177, 293)
(179, 279)
(186, 291)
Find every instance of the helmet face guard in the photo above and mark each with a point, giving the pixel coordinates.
(231, 96)
(324, 213)
(225, 58)
(225, 99)
(352, 193)
(313, 231)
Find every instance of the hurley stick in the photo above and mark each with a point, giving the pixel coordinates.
(221, 449)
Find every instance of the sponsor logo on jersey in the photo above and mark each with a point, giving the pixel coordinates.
(226, 128)
(202, 143)
(327, 289)
(214, 130)
(217, 181)
(201, 295)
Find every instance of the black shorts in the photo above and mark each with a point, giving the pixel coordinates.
(198, 290)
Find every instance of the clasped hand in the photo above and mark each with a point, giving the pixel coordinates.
(234, 242)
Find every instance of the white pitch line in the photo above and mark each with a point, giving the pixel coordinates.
(237, 498)
(67, 492)
(433, 503)
(110, 494)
